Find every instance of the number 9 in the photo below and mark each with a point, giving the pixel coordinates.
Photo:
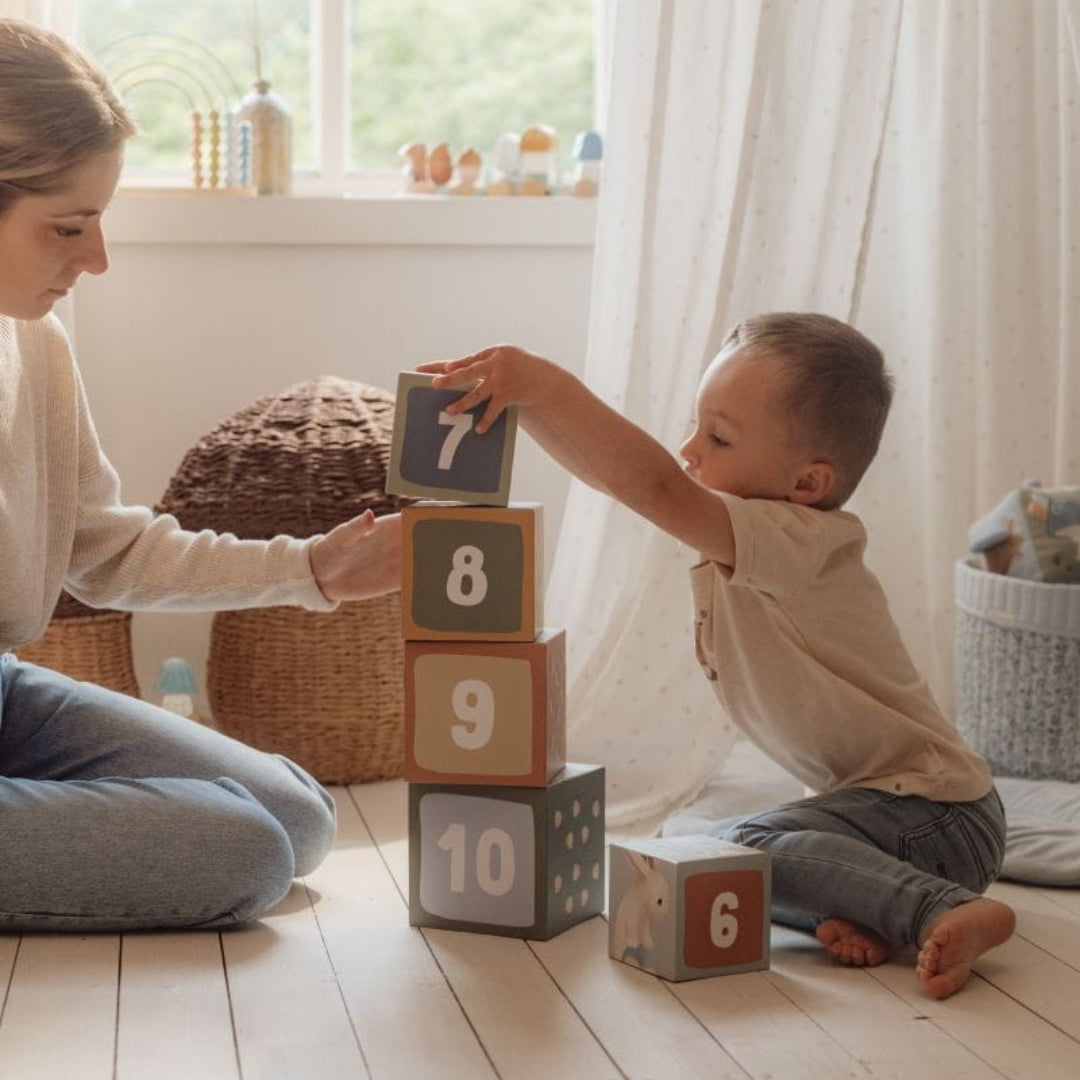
(473, 702)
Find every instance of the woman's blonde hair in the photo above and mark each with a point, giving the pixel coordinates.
(56, 110)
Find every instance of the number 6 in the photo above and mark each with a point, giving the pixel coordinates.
(723, 926)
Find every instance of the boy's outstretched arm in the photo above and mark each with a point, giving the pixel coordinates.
(592, 440)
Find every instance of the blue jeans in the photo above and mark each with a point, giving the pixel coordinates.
(890, 863)
(117, 815)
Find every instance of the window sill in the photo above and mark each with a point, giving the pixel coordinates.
(147, 216)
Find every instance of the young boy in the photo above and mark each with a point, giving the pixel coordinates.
(794, 631)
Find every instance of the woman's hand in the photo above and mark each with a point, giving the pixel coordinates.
(360, 558)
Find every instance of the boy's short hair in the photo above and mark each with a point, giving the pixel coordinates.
(836, 387)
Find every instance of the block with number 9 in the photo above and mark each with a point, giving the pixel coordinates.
(472, 573)
(438, 456)
(684, 907)
(486, 714)
(522, 862)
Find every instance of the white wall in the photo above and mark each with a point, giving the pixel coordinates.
(207, 306)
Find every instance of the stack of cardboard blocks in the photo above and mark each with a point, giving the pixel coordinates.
(505, 836)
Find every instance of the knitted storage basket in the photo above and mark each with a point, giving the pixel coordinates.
(86, 643)
(322, 688)
(1018, 673)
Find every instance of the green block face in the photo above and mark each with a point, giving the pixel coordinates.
(467, 576)
(472, 573)
(523, 862)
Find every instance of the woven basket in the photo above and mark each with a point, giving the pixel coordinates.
(324, 689)
(1018, 673)
(87, 644)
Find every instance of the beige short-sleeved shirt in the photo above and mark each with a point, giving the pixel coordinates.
(805, 657)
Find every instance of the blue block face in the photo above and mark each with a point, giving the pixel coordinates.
(478, 859)
(439, 456)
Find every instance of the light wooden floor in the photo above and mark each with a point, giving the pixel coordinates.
(335, 983)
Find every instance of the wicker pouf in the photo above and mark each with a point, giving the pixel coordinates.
(1018, 673)
(324, 689)
(88, 644)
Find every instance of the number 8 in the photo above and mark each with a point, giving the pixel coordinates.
(468, 565)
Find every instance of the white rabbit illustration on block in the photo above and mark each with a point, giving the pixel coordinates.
(646, 899)
(687, 907)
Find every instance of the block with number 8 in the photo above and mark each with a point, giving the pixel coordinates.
(685, 907)
(480, 713)
(472, 573)
(523, 862)
(438, 456)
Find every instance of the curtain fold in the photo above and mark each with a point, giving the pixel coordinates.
(735, 182)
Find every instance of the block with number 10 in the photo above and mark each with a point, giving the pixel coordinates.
(438, 456)
(522, 862)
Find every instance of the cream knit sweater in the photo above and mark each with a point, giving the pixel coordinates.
(62, 524)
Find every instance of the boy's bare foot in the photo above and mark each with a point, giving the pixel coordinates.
(956, 939)
(851, 944)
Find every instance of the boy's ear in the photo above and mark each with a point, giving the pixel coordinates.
(813, 483)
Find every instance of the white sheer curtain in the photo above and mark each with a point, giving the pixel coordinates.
(904, 165)
(735, 182)
(972, 283)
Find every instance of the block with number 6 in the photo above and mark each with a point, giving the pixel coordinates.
(684, 907)
(472, 573)
(479, 713)
(435, 455)
(522, 862)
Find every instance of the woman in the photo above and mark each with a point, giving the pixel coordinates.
(114, 814)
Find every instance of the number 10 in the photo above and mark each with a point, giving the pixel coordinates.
(497, 884)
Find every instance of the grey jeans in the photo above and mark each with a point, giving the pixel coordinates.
(117, 815)
(890, 863)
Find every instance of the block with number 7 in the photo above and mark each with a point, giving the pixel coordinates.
(472, 573)
(478, 713)
(438, 456)
(684, 907)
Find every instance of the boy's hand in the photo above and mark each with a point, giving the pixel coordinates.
(502, 375)
(360, 558)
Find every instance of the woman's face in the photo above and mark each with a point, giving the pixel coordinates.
(47, 241)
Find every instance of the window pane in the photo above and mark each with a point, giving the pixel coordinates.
(168, 58)
(465, 71)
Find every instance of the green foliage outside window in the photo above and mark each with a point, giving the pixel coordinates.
(457, 71)
(464, 71)
(158, 52)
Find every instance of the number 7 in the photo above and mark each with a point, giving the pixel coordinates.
(459, 426)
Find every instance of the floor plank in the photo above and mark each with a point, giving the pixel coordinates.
(404, 1013)
(765, 1031)
(672, 1044)
(1003, 1032)
(170, 986)
(883, 1032)
(527, 1027)
(289, 1017)
(60, 1015)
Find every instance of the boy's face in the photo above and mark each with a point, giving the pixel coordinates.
(743, 441)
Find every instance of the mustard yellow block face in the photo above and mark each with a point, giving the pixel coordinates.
(469, 718)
